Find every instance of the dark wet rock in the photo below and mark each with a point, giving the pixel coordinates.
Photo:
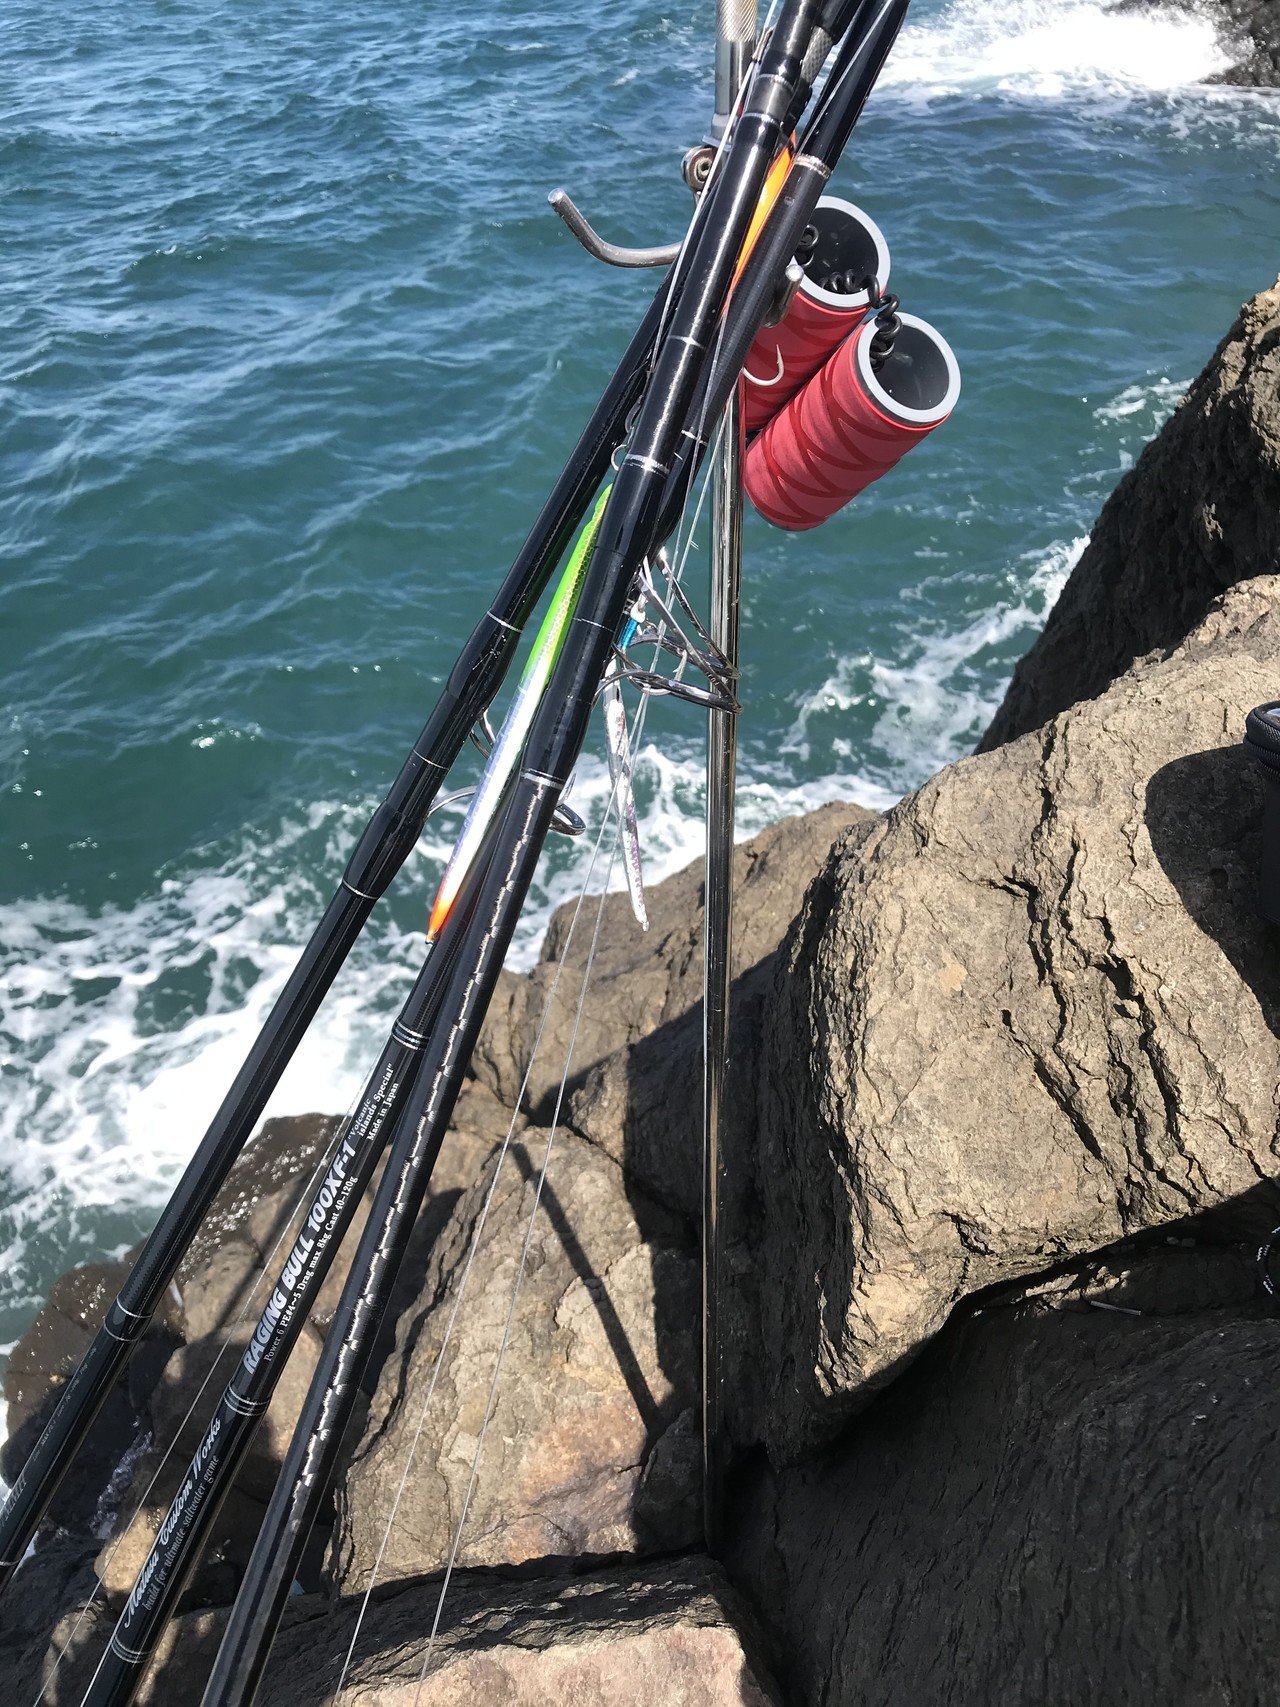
(1061, 1505)
(1198, 513)
(1249, 31)
(59, 1574)
(179, 1411)
(223, 1297)
(44, 1359)
(1030, 1013)
(1176, 1278)
(1255, 26)
(118, 1491)
(210, 1284)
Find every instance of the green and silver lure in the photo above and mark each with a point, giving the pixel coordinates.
(506, 751)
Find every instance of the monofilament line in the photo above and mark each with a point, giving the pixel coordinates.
(482, 1219)
(532, 1221)
(472, 1248)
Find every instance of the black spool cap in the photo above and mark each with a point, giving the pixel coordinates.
(1262, 741)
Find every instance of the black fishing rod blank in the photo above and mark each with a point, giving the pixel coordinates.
(297, 1284)
(857, 65)
(385, 844)
(625, 538)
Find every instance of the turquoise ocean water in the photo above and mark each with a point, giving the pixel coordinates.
(290, 351)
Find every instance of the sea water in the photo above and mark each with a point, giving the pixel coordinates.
(291, 349)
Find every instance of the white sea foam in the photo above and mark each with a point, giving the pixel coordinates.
(935, 702)
(1050, 48)
(938, 701)
(127, 1024)
(1152, 401)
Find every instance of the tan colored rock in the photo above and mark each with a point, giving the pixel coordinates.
(671, 1632)
(643, 981)
(1030, 1013)
(599, 1362)
(667, 1633)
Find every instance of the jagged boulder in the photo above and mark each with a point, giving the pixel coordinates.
(1054, 1505)
(221, 1293)
(592, 1446)
(1199, 512)
(1027, 1014)
(673, 1632)
(208, 1289)
(1253, 29)
(1249, 31)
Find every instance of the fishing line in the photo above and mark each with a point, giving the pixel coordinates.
(482, 1219)
(515, 1299)
(307, 1184)
(481, 1222)
(474, 1244)
(638, 726)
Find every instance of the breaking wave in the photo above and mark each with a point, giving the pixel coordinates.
(1053, 48)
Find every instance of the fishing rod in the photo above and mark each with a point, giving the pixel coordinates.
(872, 29)
(626, 536)
(384, 845)
(337, 1196)
(665, 401)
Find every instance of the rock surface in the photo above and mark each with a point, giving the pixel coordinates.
(1030, 1013)
(642, 981)
(1051, 1507)
(673, 1632)
(1253, 27)
(670, 1633)
(598, 1362)
(599, 1456)
(1199, 512)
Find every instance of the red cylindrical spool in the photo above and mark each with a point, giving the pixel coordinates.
(849, 425)
(784, 356)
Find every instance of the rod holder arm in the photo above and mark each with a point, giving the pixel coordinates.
(613, 254)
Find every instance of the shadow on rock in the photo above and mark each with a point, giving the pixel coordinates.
(1204, 816)
(1067, 1498)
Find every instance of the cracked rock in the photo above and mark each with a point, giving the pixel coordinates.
(1051, 1507)
(1027, 1014)
(1199, 512)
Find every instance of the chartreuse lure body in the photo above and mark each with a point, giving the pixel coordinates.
(505, 755)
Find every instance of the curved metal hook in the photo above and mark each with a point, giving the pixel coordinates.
(662, 255)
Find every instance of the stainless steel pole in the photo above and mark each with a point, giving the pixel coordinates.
(735, 38)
